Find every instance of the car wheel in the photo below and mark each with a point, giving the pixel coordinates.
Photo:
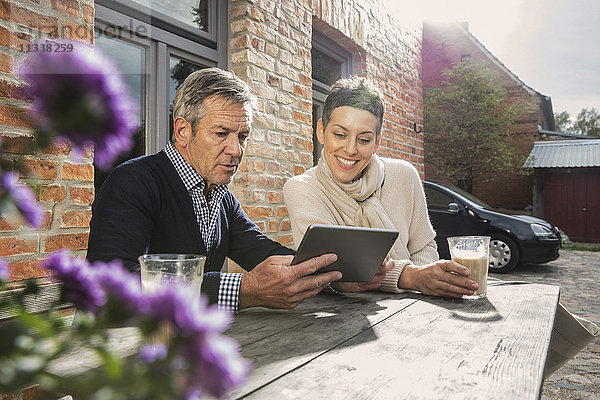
(504, 254)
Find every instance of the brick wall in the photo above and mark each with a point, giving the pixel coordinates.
(444, 45)
(270, 44)
(64, 185)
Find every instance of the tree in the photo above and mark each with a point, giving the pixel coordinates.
(587, 122)
(562, 121)
(466, 123)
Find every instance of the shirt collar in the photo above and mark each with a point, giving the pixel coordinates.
(186, 172)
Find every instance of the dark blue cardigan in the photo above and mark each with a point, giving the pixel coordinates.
(143, 207)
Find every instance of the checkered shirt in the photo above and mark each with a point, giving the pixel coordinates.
(207, 214)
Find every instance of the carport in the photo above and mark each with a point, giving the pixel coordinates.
(567, 186)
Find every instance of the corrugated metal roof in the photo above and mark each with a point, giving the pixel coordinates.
(565, 154)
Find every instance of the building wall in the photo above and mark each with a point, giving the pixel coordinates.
(445, 45)
(64, 186)
(270, 48)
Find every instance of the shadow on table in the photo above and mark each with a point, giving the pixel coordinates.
(315, 326)
(476, 310)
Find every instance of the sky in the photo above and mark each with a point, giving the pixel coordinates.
(553, 46)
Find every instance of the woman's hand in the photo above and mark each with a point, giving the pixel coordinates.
(441, 278)
(385, 266)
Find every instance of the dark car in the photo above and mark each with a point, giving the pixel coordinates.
(515, 238)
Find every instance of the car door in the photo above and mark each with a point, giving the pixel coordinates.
(448, 216)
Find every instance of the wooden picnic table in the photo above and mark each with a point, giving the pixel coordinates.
(400, 346)
(388, 346)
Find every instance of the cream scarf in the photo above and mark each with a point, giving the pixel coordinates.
(358, 202)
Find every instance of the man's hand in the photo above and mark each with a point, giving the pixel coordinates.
(441, 278)
(274, 283)
(375, 283)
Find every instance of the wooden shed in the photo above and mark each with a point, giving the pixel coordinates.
(567, 186)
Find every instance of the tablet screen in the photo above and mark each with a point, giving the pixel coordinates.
(360, 251)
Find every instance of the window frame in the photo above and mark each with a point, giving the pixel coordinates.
(161, 42)
(320, 89)
(332, 49)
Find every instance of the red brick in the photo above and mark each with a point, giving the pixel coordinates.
(258, 196)
(18, 145)
(82, 195)
(5, 10)
(286, 225)
(58, 149)
(32, 393)
(298, 116)
(11, 39)
(282, 212)
(261, 225)
(240, 42)
(258, 166)
(273, 226)
(285, 240)
(79, 32)
(69, 7)
(31, 19)
(260, 212)
(6, 63)
(71, 241)
(41, 169)
(79, 172)
(27, 269)
(10, 223)
(299, 169)
(243, 166)
(52, 193)
(13, 246)
(10, 115)
(76, 219)
(12, 91)
(274, 197)
(88, 14)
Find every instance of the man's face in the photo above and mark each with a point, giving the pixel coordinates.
(216, 150)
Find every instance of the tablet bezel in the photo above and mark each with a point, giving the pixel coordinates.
(360, 251)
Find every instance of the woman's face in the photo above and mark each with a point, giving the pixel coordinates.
(349, 141)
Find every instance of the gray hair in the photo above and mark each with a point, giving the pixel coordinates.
(202, 84)
(358, 93)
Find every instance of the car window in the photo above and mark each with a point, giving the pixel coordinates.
(435, 198)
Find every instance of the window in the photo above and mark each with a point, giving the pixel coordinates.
(156, 46)
(330, 62)
(437, 199)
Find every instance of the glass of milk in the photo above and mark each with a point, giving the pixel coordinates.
(474, 253)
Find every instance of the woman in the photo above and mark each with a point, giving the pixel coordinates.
(354, 187)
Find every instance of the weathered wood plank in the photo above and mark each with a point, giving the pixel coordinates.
(47, 297)
(435, 348)
(277, 342)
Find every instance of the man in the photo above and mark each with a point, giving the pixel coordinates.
(177, 201)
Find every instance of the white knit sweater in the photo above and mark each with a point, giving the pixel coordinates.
(402, 197)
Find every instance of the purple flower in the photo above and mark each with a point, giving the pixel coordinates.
(23, 198)
(188, 312)
(120, 285)
(150, 353)
(80, 96)
(4, 271)
(218, 366)
(79, 282)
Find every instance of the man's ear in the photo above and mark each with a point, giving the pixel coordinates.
(182, 131)
(320, 131)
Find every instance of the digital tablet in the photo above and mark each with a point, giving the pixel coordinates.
(360, 251)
